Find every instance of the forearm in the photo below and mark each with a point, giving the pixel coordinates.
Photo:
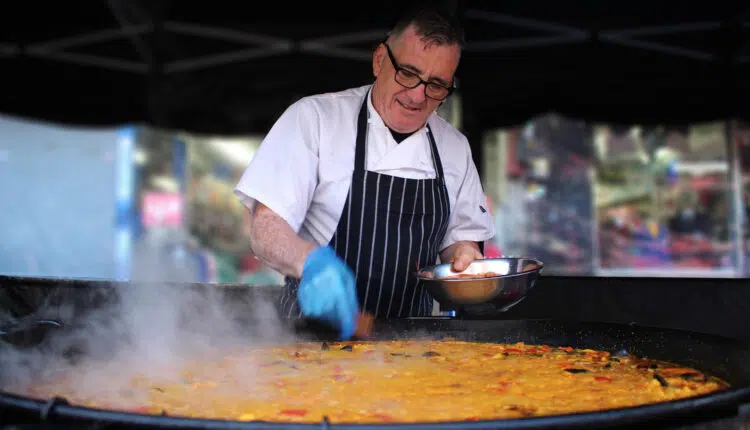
(448, 253)
(275, 244)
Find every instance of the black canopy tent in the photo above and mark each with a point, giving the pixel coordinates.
(232, 67)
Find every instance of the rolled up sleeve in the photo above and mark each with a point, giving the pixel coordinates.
(282, 174)
(470, 218)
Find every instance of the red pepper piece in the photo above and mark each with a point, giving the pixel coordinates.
(294, 412)
(383, 417)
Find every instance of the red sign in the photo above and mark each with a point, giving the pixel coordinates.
(162, 209)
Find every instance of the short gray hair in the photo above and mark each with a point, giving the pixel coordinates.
(433, 24)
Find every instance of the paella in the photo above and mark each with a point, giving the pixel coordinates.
(399, 381)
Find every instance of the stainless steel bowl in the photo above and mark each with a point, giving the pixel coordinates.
(513, 280)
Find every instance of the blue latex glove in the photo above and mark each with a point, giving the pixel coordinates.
(327, 291)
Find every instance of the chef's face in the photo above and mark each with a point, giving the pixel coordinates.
(406, 109)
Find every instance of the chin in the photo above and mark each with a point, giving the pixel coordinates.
(405, 124)
(413, 126)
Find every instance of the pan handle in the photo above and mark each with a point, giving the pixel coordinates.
(26, 326)
(28, 333)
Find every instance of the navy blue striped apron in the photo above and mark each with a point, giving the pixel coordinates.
(389, 227)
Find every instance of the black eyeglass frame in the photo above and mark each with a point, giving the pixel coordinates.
(411, 75)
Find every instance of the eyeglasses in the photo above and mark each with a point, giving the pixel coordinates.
(409, 79)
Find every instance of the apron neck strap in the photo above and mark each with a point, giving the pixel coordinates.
(435, 155)
(359, 152)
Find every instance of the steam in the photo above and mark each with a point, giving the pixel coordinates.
(140, 329)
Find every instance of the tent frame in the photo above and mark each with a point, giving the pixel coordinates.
(262, 45)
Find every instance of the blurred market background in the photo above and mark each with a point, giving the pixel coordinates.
(118, 159)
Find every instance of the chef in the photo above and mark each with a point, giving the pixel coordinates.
(351, 192)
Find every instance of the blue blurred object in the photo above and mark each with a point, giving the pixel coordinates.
(222, 171)
(672, 175)
(180, 163)
(125, 202)
(650, 241)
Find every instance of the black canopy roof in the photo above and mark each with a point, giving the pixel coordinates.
(233, 66)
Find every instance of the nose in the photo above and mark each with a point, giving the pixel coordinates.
(416, 94)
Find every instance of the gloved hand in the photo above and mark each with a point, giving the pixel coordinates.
(327, 291)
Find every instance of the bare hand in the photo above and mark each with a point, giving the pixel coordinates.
(464, 254)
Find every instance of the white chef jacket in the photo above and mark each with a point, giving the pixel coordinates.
(303, 168)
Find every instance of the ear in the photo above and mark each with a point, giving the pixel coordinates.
(377, 60)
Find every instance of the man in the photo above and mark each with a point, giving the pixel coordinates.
(352, 192)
